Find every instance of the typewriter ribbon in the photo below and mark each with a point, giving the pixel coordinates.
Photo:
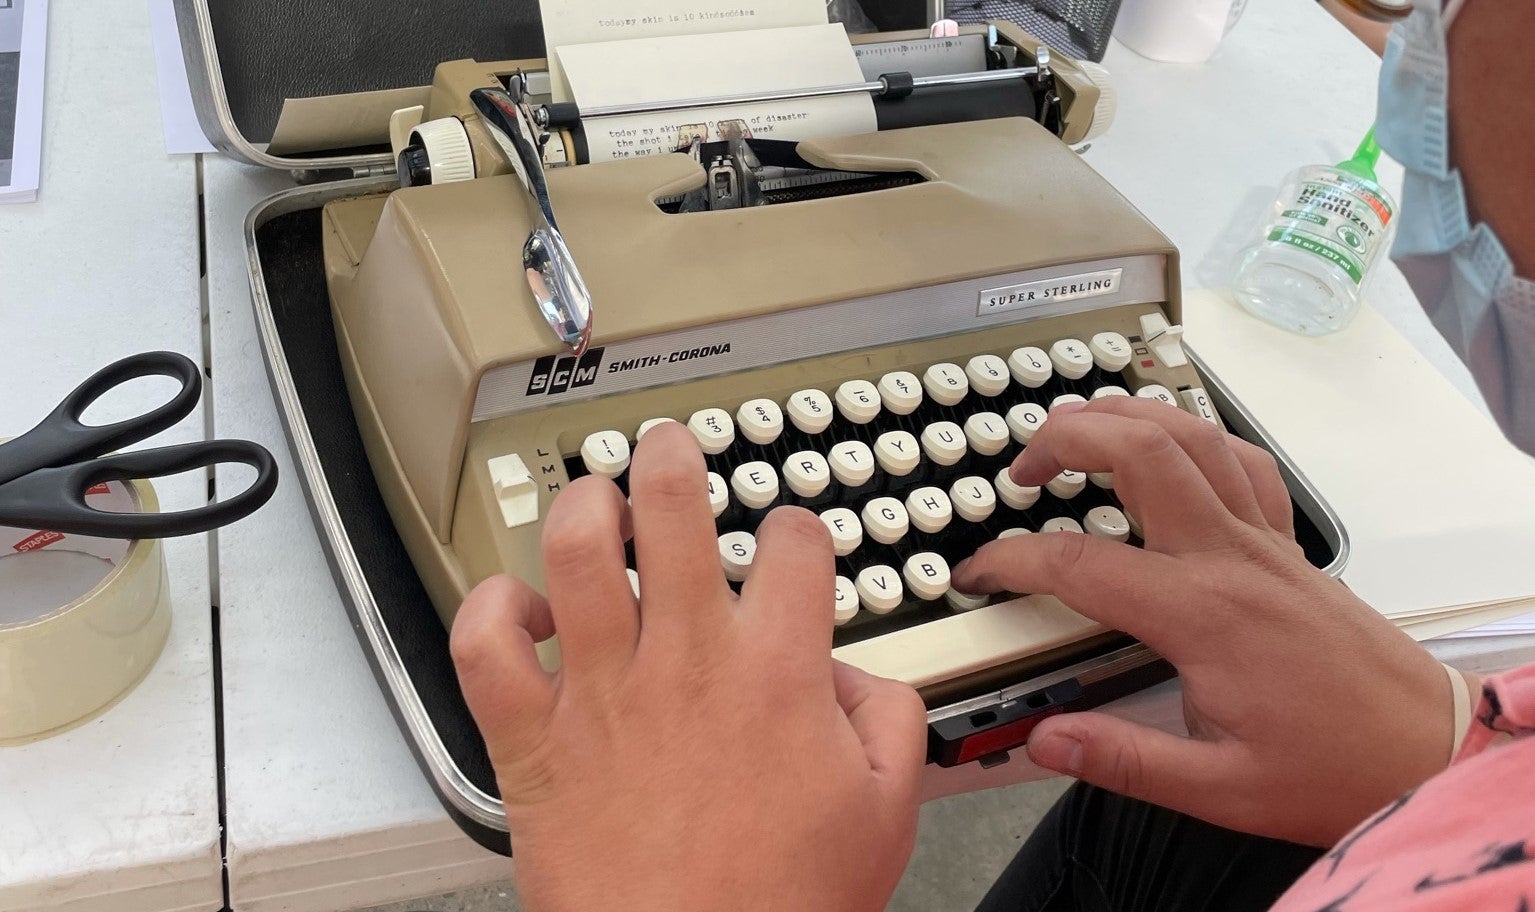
(82, 619)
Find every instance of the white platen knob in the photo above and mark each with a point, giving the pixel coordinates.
(1108, 99)
(447, 148)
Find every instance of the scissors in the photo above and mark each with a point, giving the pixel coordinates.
(45, 473)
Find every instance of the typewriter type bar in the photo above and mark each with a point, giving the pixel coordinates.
(893, 86)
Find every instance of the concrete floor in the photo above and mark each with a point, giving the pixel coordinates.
(962, 844)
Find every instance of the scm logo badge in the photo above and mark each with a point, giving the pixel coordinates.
(553, 374)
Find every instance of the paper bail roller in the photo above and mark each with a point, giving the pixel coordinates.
(82, 618)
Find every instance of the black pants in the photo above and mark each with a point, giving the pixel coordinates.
(1099, 852)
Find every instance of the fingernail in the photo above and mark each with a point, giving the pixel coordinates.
(1057, 751)
(1066, 408)
(959, 568)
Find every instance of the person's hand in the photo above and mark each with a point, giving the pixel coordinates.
(695, 751)
(1307, 710)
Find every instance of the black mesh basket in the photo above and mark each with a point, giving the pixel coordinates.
(1078, 28)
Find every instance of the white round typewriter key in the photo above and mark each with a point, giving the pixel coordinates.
(737, 551)
(930, 508)
(898, 452)
(1104, 392)
(846, 603)
(649, 423)
(1024, 419)
(761, 420)
(719, 494)
(807, 473)
(879, 588)
(846, 530)
(1030, 366)
(886, 520)
(901, 392)
(1017, 496)
(943, 442)
(946, 383)
(1013, 533)
(755, 484)
(1061, 524)
(714, 428)
(987, 433)
(973, 498)
(810, 410)
(927, 575)
(1159, 392)
(1066, 485)
(1063, 399)
(606, 453)
(964, 601)
(1071, 358)
(1104, 480)
(1107, 522)
(987, 374)
(852, 462)
(634, 581)
(858, 401)
(1110, 350)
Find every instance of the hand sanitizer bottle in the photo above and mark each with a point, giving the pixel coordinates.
(1326, 230)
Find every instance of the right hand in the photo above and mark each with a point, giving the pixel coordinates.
(1306, 709)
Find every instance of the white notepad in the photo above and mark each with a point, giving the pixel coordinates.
(23, 40)
(1439, 506)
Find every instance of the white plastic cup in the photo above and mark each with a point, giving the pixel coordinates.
(1176, 31)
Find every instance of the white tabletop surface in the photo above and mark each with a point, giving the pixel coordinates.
(121, 813)
(326, 808)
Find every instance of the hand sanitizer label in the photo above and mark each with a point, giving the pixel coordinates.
(1335, 216)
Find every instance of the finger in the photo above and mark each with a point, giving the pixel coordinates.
(1208, 445)
(791, 590)
(1184, 774)
(594, 609)
(1153, 475)
(508, 692)
(1143, 593)
(675, 542)
(1268, 485)
(891, 723)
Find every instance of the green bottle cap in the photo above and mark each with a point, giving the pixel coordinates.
(1365, 157)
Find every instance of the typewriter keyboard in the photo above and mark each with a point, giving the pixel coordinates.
(907, 467)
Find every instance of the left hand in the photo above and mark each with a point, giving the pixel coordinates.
(696, 752)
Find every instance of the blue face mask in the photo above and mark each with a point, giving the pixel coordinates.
(1460, 272)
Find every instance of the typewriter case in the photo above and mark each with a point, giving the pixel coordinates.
(243, 63)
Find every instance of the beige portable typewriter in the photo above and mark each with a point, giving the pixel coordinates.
(868, 325)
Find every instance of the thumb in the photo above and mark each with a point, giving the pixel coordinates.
(891, 723)
(1132, 760)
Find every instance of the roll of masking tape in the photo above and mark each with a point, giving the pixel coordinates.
(82, 619)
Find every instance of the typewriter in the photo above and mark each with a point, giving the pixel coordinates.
(871, 326)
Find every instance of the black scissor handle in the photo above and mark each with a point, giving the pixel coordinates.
(62, 437)
(54, 498)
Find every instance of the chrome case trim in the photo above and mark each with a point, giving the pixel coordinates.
(449, 781)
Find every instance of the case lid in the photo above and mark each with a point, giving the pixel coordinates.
(244, 59)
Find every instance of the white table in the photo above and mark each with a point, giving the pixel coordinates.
(326, 807)
(120, 814)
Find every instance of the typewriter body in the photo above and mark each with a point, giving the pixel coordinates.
(869, 325)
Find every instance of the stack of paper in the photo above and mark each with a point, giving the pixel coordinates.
(605, 52)
(1438, 505)
(23, 38)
